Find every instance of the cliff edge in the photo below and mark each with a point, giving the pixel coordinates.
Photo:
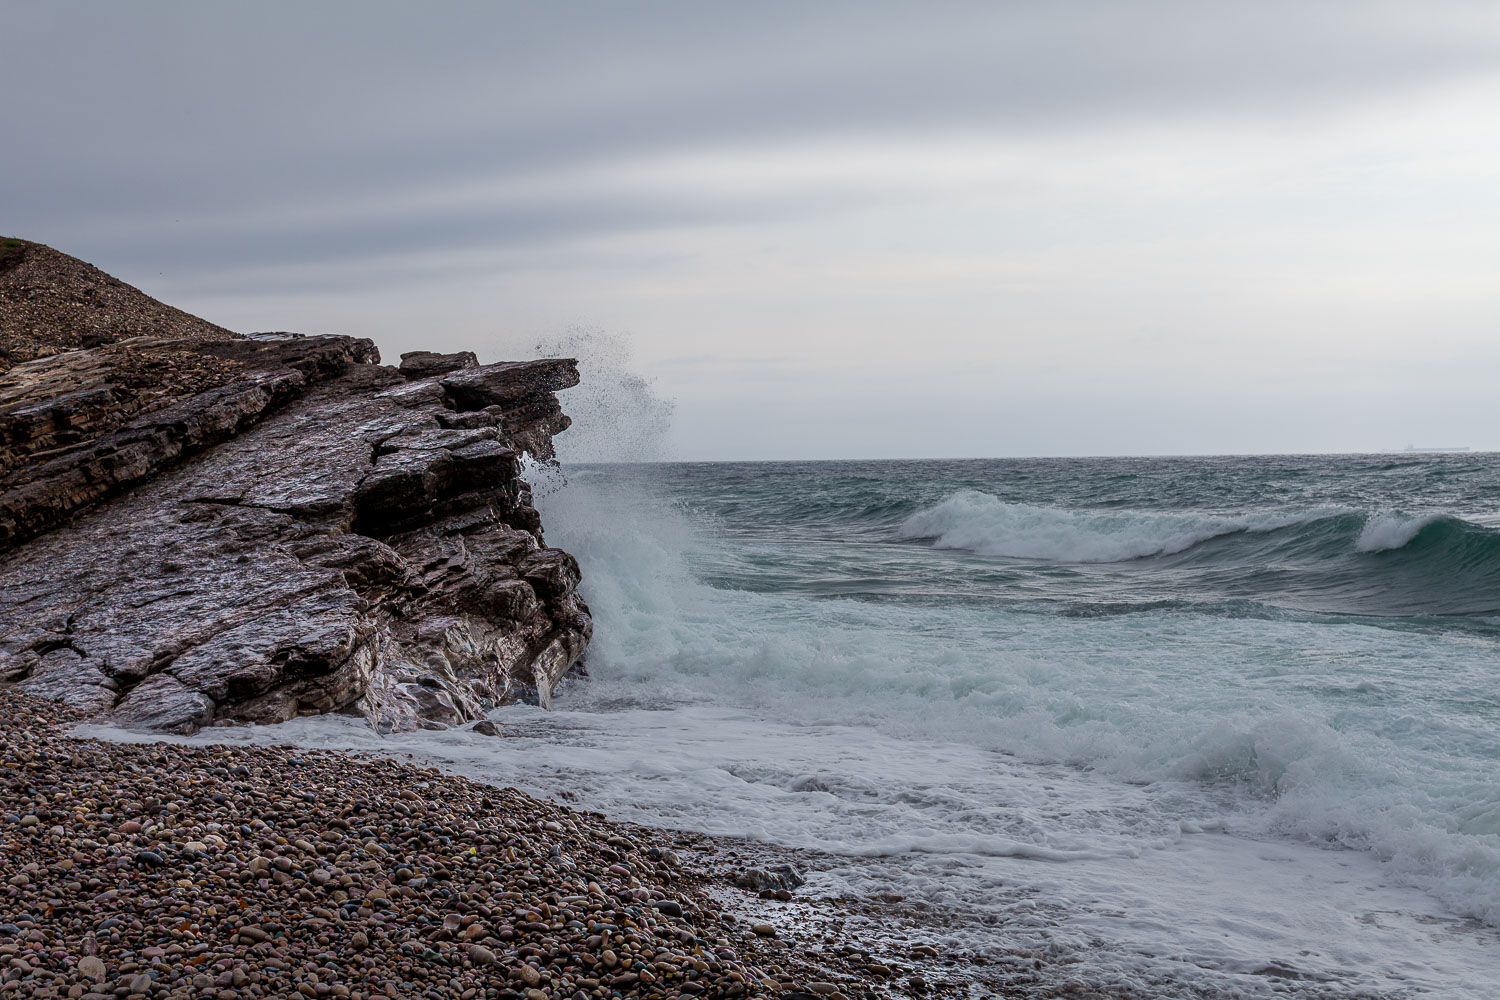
(198, 527)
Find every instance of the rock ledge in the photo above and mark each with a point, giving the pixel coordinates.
(201, 530)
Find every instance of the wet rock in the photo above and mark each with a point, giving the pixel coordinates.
(360, 540)
(484, 727)
(164, 702)
(55, 461)
(782, 877)
(426, 364)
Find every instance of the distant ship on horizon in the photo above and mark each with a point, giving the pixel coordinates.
(1412, 447)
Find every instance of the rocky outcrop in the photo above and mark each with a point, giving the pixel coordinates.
(288, 528)
(73, 430)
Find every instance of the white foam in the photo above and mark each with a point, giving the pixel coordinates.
(1390, 530)
(987, 525)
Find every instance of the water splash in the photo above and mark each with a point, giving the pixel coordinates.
(618, 414)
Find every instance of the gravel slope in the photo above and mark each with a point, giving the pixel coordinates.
(50, 302)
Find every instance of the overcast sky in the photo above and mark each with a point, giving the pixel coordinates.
(825, 229)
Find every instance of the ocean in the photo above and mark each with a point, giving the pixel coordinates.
(1190, 726)
(1230, 723)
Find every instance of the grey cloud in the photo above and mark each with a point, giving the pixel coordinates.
(485, 167)
(216, 250)
(153, 110)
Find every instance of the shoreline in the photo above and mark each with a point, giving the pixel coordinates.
(167, 870)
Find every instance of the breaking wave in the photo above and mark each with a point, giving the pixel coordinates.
(1336, 559)
(986, 525)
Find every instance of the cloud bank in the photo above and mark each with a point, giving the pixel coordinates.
(832, 229)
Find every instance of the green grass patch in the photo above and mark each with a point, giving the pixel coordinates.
(10, 247)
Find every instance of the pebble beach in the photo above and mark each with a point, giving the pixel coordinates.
(226, 872)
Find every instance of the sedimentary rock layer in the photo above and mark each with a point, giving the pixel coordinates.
(208, 530)
(82, 425)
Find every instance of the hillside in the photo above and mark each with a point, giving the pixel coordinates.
(50, 302)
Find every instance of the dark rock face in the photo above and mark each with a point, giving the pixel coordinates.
(425, 364)
(355, 551)
(213, 528)
(72, 433)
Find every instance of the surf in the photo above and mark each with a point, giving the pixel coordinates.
(1328, 558)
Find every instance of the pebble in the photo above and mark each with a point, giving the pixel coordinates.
(248, 872)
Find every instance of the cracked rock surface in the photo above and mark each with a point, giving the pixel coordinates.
(303, 530)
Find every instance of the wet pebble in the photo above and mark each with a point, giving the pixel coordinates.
(252, 872)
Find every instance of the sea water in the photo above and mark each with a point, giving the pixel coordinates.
(1194, 726)
(1230, 724)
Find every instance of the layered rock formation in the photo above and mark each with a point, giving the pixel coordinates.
(199, 528)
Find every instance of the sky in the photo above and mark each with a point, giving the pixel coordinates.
(817, 230)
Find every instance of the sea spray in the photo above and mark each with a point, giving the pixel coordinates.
(618, 414)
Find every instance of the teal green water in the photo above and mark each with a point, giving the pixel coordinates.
(1400, 539)
(1308, 645)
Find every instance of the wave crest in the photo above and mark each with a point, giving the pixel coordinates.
(1391, 530)
(984, 524)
